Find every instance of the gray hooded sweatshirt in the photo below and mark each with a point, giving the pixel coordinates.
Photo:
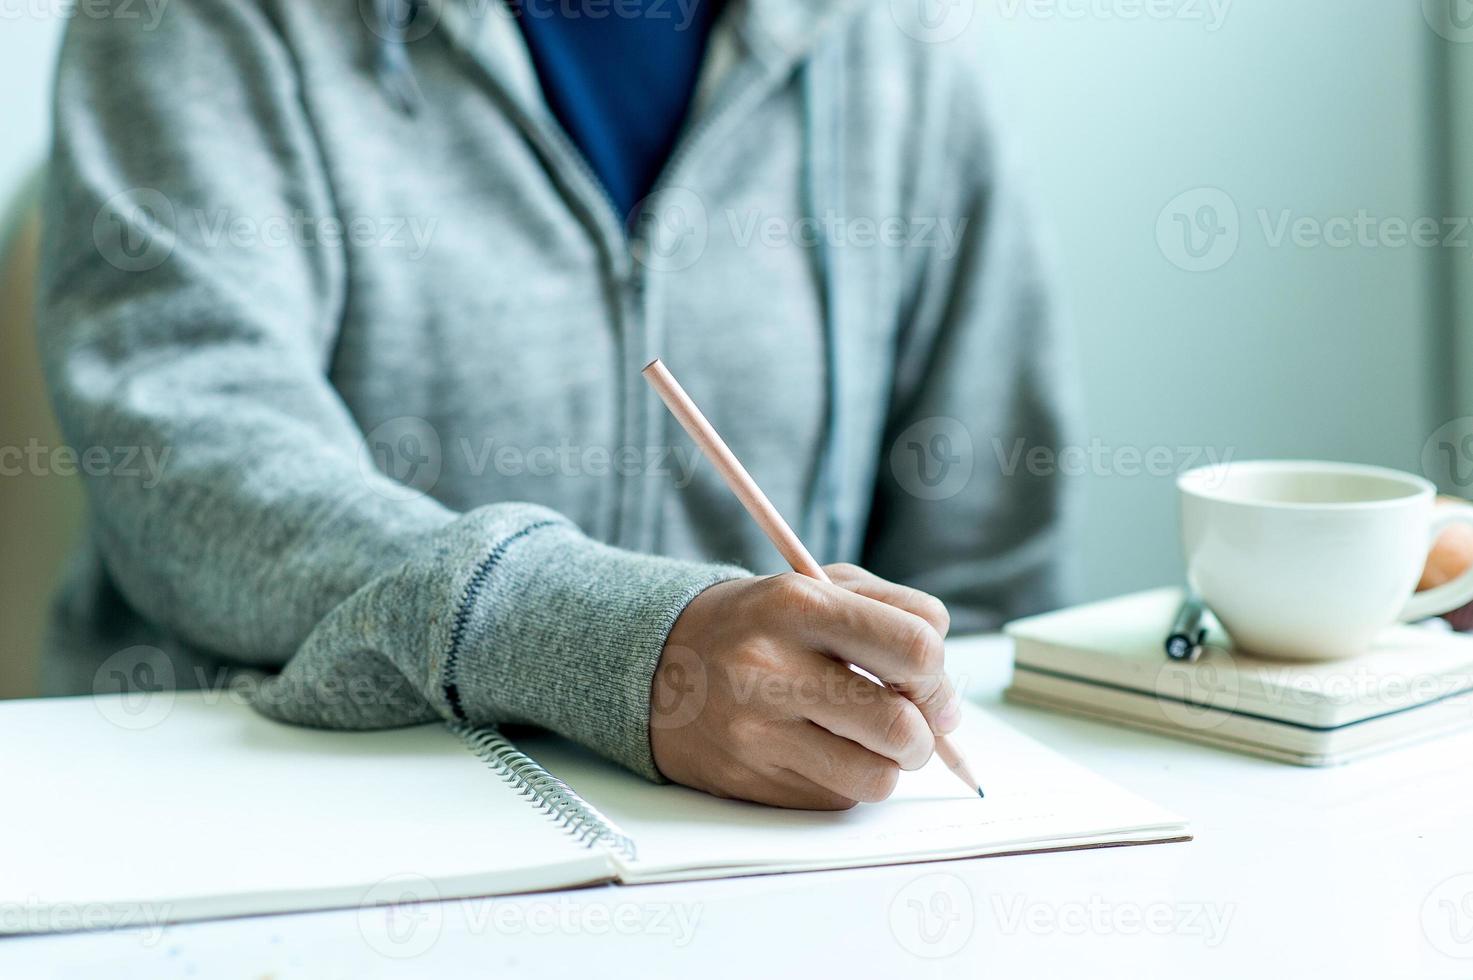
(370, 333)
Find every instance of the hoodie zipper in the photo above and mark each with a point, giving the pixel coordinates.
(630, 520)
(639, 421)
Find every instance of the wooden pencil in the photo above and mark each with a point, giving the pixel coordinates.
(788, 544)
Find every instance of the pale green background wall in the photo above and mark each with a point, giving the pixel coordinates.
(1458, 267)
(1321, 107)
(27, 50)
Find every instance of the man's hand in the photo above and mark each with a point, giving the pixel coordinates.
(1451, 554)
(753, 697)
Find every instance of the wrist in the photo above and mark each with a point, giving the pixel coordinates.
(567, 634)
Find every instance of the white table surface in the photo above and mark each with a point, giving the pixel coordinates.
(1360, 871)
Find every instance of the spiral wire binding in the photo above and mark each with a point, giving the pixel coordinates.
(542, 789)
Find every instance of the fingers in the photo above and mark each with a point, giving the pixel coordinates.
(785, 788)
(854, 707)
(782, 717)
(867, 583)
(800, 793)
(847, 770)
(1451, 554)
(900, 648)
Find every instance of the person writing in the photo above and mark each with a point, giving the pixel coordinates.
(378, 279)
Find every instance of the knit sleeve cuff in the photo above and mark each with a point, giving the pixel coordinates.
(557, 630)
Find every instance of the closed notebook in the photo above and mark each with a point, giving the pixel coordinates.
(1106, 660)
(204, 809)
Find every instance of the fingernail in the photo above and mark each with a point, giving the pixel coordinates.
(951, 715)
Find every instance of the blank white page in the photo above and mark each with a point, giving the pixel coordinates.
(214, 811)
(1036, 799)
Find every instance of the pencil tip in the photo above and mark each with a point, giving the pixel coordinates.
(650, 365)
(981, 794)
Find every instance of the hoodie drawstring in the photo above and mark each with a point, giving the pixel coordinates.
(393, 19)
(828, 520)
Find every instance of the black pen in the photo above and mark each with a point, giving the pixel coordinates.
(1187, 632)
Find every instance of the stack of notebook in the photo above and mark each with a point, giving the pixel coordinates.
(1106, 661)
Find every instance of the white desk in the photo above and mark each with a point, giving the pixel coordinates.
(1362, 871)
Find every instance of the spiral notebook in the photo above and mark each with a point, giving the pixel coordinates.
(192, 806)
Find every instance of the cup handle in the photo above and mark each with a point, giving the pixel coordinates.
(1449, 595)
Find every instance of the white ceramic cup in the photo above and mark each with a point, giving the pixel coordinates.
(1307, 561)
